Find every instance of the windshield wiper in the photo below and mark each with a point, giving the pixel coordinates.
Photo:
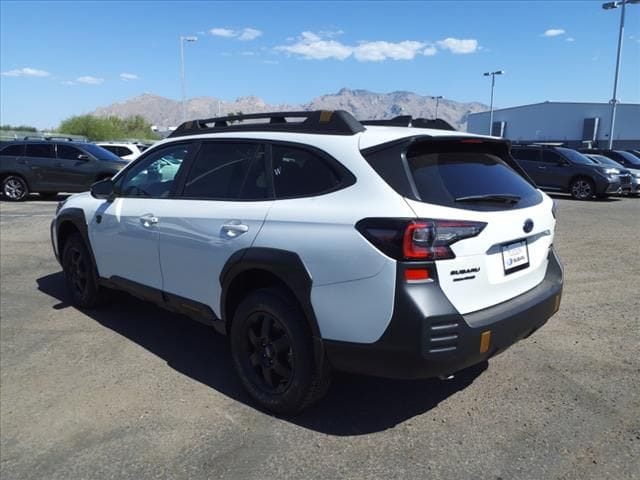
(493, 197)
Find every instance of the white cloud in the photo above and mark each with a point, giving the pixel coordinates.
(222, 32)
(89, 80)
(26, 72)
(68, 82)
(312, 47)
(553, 32)
(459, 46)
(249, 34)
(430, 51)
(244, 34)
(248, 54)
(570, 39)
(271, 62)
(316, 46)
(380, 51)
(128, 76)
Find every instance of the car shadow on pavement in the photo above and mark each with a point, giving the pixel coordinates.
(355, 405)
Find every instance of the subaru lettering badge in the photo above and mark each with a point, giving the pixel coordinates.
(528, 225)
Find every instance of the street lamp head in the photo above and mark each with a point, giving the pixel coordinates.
(486, 74)
(189, 39)
(498, 72)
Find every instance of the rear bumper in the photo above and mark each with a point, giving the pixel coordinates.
(427, 337)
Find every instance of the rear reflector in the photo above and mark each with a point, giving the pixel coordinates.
(416, 274)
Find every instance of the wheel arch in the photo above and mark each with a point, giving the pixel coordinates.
(68, 222)
(256, 267)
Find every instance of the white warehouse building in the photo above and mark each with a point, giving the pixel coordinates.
(573, 124)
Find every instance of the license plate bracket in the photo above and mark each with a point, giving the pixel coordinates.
(515, 256)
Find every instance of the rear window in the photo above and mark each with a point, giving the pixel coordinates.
(456, 174)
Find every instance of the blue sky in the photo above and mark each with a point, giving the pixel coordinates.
(58, 59)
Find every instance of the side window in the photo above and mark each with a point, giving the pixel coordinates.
(42, 150)
(299, 173)
(67, 152)
(154, 176)
(526, 154)
(123, 151)
(234, 171)
(13, 150)
(549, 156)
(111, 148)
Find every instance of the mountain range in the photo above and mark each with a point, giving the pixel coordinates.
(363, 104)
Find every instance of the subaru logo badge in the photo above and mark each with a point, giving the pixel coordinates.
(528, 225)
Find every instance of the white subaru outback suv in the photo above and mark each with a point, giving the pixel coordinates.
(395, 248)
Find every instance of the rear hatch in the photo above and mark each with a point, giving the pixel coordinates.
(476, 180)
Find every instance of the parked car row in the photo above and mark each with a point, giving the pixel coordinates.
(584, 174)
(48, 165)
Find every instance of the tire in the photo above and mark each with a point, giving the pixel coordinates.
(48, 195)
(15, 188)
(273, 353)
(602, 196)
(80, 274)
(582, 189)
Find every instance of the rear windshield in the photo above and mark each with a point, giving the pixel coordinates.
(474, 180)
(455, 173)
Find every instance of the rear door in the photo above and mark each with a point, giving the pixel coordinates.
(39, 159)
(529, 160)
(510, 255)
(555, 171)
(220, 210)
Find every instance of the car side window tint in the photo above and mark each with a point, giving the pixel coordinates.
(13, 150)
(228, 171)
(67, 152)
(42, 150)
(526, 154)
(154, 176)
(549, 156)
(298, 173)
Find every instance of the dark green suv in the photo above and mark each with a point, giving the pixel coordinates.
(50, 166)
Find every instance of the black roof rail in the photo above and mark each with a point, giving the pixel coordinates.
(409, 121)
(325, 122)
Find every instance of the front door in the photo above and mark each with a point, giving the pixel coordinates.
(124, 233)
(75, 170)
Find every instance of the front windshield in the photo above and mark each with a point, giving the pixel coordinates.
(629, 157)
(574, 156)
(606, 161)
(101, 153)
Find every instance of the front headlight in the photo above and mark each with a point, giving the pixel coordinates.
(611, 171)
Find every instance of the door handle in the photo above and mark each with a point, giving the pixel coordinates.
(541, 167)
(148, 220)
(234, 228)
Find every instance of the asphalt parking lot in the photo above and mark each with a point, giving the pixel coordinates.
(132, 391)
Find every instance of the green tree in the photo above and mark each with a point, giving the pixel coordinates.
(108, 128)
(19, 128)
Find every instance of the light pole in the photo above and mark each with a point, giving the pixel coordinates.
(493, 83)
(614, 100)
(182, 40)
(437, 99)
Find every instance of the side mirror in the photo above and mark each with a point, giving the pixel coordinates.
(84, 157)
(103, 189)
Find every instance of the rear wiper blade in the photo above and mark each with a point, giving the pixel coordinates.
(500, 197)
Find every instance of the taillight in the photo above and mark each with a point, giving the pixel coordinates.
(417, 239)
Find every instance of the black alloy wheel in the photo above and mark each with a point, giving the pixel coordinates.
(80, 274)
(273, 352)
(14, 188)
(268, 348)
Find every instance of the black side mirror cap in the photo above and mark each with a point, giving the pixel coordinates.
(103, 189)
